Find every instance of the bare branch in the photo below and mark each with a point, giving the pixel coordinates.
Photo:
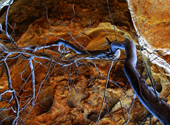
(155, 105)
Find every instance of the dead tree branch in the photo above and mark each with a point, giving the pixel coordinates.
(156, 106)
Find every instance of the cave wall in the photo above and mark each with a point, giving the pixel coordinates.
(151, 21)
(61, 104)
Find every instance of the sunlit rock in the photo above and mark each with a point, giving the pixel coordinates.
(74, 95)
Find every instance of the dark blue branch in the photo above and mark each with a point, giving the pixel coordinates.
(156, 106)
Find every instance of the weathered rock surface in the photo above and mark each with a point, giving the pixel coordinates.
(151, 19)
(151, 22)
(74, 95)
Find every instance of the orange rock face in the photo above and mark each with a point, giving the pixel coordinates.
(73, 95)
(151, 21)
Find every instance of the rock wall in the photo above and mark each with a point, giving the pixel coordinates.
(74, 95)
(151, 20)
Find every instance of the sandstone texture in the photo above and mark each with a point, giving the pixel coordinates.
(151, 20)
(74, 95)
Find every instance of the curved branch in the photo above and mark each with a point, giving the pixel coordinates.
(14, 96)
(156, 106)
(79, 53)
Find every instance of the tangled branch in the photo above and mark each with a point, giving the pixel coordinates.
(66, 55)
